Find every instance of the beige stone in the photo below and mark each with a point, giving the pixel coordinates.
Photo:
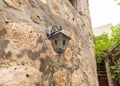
(42, 55)
(60, 77)
(77, 77)
(56, 9)
(66, 15)
(79, 44)
(21, 34)
(91, 82)
(73, 38)
(60, 1)
(27, 57)
(13, 3)
(37, 64)
(15, 75)
(44, 1)
(35, 17)
(68, 54)
(24, 60)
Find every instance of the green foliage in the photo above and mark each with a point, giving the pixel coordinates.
(103, 44)
(117, 1)
(116, 74)
(115, 38)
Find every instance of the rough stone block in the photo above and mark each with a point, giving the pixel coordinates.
(56, 9)
(13, 3)
(21, 33)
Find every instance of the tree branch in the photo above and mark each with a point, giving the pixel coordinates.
(115, 47)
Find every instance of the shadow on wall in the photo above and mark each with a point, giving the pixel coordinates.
(74, 3)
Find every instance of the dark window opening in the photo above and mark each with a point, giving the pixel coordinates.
(56, 42)
(63, 42)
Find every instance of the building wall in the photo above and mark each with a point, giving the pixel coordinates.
(26, 55)
(102, 29)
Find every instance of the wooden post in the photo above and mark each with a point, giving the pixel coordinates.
(110, 80)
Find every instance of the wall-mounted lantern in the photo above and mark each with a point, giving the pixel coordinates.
(58, 38)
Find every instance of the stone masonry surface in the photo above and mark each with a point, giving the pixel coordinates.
(26, 55)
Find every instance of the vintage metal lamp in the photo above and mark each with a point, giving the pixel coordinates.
(58, 38)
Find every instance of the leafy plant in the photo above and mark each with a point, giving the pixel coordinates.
(101, 45)
(104, 44)
(116, 74)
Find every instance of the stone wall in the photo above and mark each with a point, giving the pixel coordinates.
(26, 55)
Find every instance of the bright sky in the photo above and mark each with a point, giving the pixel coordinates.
(104, 12)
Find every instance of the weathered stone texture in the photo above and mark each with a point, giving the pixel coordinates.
(13, 3)
(26, 55)
(21, 33)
